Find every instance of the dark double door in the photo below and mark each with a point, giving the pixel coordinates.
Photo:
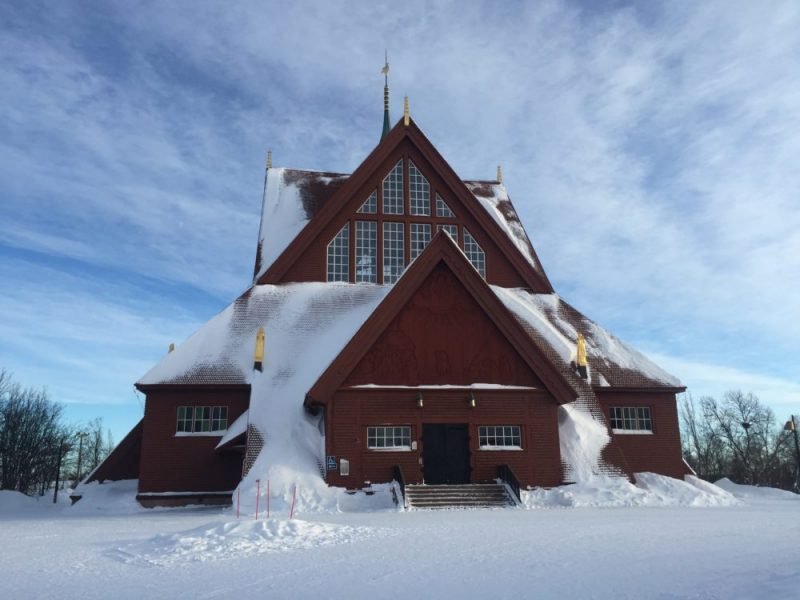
(445, 453)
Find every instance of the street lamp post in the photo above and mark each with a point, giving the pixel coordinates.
(81, 435)
(793, 425)
(62, 448)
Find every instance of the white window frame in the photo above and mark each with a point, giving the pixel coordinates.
(420, 238)
(505, 434)
(338, 257)
(443, 210)
(635, 420)
(187, 418)
(370, 206)
(419, 192)
(475, 253)
(393, 193)
(366, 267)
(394, 250)
(450, 228)
(389, 434)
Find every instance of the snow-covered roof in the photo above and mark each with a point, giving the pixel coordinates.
(308, 324)
(612, 363)
(293, 196)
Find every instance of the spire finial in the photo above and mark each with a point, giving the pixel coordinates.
(406, 114)
(499, 174)
(269, 159)
(385, 71)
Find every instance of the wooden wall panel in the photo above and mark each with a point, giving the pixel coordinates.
(187, 464)
(659, 452)
(442, 336)
(352, 411)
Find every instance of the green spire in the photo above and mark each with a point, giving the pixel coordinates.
(385, 72)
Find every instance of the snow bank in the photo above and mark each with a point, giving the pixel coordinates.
(16, 503)
(222, 540)
(752, 492)
(650, 490)
(112, 497)
(582, 439)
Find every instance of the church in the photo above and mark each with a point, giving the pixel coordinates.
(399, 327)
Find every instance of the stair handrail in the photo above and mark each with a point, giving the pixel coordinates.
(397, 473)
(506, 474)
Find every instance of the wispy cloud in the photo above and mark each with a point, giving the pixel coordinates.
(651, 150)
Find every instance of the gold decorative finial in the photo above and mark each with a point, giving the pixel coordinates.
(171, 348)
(259, 357)
(405, 111)
(269, 159)
(499, 174)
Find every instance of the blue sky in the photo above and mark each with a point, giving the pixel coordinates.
(652, 155)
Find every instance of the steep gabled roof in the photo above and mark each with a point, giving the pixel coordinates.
(612, 362)
(327, 193)
(441, 250)
(298, 316)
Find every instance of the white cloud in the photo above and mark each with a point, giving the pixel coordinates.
(651, 151)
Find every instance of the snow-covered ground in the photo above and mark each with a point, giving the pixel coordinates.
(746, 549)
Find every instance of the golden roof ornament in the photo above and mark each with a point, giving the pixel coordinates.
(406, 115)
(499, 174)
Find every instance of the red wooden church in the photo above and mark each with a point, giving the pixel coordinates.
(399, 325)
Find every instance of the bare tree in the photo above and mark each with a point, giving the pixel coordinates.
(31, 432)
(737, 437)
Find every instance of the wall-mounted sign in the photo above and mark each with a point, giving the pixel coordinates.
(331, 460)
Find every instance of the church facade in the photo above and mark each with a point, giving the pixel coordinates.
(404, 314)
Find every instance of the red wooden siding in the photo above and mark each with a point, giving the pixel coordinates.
(187, 464)
(352, 411)
(659, 452)
(442, 336)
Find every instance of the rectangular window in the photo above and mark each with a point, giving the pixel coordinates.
(420, 238)
(474, 253)
(393, 251)
(366, 252)
(452, 231)
(185, 417)
(389, 438)
(493, 437)
(393, 191)
(419, 191)
(630, 419)
(202, 419)
(219, 418)
(339, 255)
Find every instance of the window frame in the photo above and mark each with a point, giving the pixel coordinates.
(393, 437)
(502, 432)
(639, 417)
(192, 414)
(340, 268)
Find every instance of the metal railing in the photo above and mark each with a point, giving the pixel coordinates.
(507, 476)
(397, 473)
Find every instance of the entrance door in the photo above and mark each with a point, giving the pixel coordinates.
(445, 453)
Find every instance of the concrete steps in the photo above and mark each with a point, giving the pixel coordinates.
(476, 495)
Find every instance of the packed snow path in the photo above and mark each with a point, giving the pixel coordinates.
(743, 551)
